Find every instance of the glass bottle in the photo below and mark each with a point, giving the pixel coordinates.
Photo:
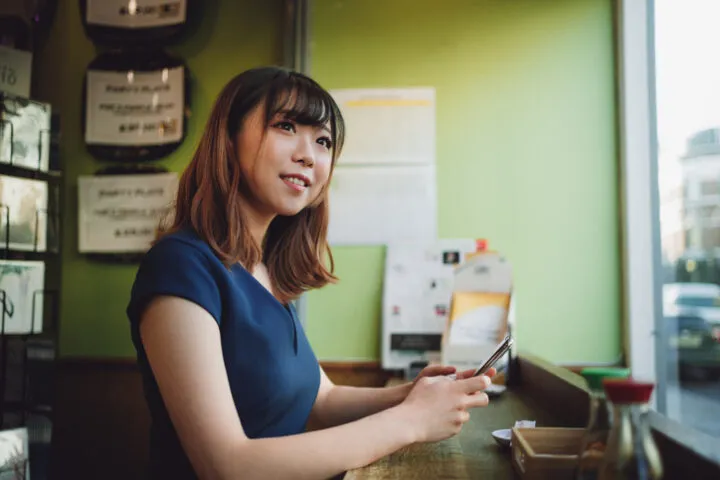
(592, 446)
(631, 452)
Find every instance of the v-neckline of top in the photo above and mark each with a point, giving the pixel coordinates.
(286, 307)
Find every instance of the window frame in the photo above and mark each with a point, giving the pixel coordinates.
(639, 189)
(644, 335)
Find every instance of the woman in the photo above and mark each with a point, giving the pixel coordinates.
(232, 384)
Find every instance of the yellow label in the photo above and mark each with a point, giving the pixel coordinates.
(463, 302)
(470, 255)
(379, 102)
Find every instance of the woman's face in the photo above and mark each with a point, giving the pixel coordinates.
(286, 166)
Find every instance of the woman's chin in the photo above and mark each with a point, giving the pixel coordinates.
(289, 210)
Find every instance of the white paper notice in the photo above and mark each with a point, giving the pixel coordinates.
(135, 108)
(120, 213)
(417, 289)
(381, 205)
(388, 126)
(136, 14)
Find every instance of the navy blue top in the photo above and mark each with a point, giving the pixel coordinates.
(273, 373)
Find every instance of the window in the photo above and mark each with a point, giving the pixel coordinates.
(687, 99)
(709, 187)
(669, 99)
(696, 301)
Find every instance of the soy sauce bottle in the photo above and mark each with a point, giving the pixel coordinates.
(594, 441)
(631, 452)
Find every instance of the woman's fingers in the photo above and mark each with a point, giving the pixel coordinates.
(465, 374)
(469, 373)
(476, 400)
(463, 416)
(437, 370)
(474, 384)
(433, 370)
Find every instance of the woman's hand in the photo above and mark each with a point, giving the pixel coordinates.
(434, 371)
(437, 370)
(437, 406)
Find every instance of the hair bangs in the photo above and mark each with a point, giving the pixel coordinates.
(303, 101)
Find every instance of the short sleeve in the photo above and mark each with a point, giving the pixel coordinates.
(175, 268)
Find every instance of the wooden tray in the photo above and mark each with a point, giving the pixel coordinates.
(540, 453)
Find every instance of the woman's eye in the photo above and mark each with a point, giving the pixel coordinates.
(284, 125)
(326, 142)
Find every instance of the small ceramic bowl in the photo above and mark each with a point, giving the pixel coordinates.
(503, 437)
(495, 390)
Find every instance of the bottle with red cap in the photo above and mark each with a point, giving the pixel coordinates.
(631, 452)
(592, 446)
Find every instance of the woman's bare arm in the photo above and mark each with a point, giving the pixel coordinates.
(339, 404)
(182, 342)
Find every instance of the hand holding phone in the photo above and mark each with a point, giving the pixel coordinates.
(501, 349)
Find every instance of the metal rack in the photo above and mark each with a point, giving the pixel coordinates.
(28, 359)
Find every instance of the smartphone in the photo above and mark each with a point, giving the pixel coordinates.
(500, 350)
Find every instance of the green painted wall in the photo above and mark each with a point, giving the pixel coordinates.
(525, 151)
(526, 156)
(234, 36)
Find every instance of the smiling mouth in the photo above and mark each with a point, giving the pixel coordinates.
(296, 181)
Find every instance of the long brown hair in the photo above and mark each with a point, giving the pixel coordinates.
(209, 196)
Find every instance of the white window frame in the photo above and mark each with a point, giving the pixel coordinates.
(644, 335)
(639, 188)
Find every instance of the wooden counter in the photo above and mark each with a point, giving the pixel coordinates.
(473, 453)
(550, 395)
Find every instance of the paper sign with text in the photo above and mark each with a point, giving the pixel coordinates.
(120, 213)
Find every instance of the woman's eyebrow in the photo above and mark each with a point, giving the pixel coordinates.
(285, 112)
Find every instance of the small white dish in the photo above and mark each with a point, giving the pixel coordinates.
(503, 437)
(495, 390)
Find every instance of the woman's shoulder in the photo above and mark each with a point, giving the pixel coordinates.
(181, 255)
(184, 238)
(178, 247)
(179, 264)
